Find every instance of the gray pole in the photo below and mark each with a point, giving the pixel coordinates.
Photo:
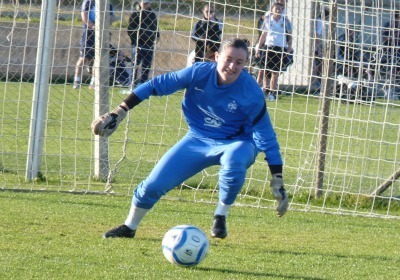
(41, 88)
(327, 85)
(102, 76)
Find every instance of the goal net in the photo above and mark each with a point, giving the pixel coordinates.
(336, 116)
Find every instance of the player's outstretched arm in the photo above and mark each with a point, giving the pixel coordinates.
(279, 192)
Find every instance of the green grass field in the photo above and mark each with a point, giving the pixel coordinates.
(58, 236)
(357, 155)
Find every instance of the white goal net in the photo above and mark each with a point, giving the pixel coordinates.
(337, 115)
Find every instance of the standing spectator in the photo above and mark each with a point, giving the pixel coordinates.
(319, 37)
(228, 126)
(391, 35)
(275, 43)
(207, 34)
(143, 32)
(87, 53)
(391, 49)
(261, 20)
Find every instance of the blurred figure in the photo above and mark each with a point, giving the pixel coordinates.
(207, 34)
(391, 54)
(143, 33)
(319, 37)
(348, 53)
(274, 45)
(87, 53)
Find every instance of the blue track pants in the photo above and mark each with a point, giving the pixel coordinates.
(190, 156)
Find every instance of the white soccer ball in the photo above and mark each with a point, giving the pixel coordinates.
(185, 245)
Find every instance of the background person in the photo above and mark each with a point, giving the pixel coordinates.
(391, 49)
(348, 53)
(87, 52)
(207, 34)
(274, 45)
(228, 125)
(143, 33)
(319, 37)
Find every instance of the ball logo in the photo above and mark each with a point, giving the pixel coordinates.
(188, 252)
(195, 238)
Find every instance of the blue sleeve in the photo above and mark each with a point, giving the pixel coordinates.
(266, 140)
(165, 84)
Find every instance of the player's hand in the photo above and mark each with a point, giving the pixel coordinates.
(280, 195)
(106, 124)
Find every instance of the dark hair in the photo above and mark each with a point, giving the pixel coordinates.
(235, 43)
(276, 4)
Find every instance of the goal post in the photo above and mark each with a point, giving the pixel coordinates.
(41, 88)
(101, 84)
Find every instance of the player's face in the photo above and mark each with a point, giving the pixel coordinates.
(230, 63)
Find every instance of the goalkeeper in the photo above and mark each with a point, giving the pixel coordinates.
(228, 124)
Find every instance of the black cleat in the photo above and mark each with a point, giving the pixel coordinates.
(120, 231)
(219, 227)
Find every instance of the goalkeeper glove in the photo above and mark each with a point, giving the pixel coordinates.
(106, 124)
(280, 195)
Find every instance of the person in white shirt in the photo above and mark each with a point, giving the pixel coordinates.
(274, 45)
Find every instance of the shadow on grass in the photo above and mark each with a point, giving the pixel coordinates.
(257, 274)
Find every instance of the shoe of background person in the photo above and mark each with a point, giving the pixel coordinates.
(76, 85)
(271, 97)
(120, 231)
(219, 227)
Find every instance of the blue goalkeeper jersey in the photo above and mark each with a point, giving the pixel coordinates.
(232, 111)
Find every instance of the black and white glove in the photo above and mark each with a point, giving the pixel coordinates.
(106, 124)
(280, 195)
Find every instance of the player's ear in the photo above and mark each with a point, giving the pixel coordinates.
(216, 55)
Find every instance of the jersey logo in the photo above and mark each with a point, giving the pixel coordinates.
(212, 120)
(199, 89)
(232, 106)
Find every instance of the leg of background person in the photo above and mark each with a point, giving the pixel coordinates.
(317, 73)
(199, 50)
(274, 81)
(146, 64)
(138, 62)
(78, 72)
(260, 78)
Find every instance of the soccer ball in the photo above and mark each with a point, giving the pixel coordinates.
(185, 245)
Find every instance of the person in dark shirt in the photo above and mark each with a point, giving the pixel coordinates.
(143, 33)
(207, 35)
